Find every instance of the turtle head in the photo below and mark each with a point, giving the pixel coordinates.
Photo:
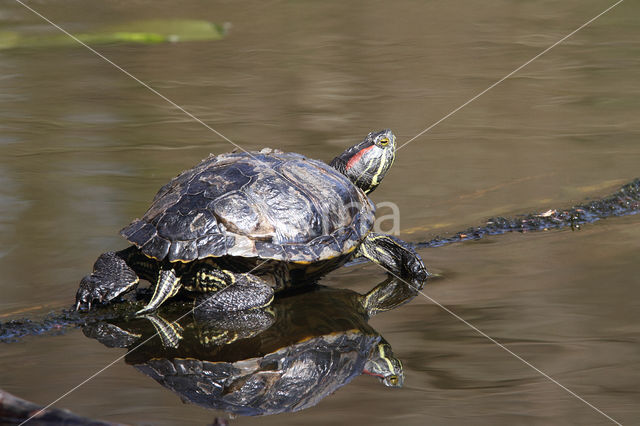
(383, 365)
(366, 163)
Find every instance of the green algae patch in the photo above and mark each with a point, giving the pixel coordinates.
(137, 32)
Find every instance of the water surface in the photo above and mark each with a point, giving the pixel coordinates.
(83, 148)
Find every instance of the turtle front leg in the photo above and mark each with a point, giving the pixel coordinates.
(110, 278)
(230, 291)
(396, 256)
(390, 294)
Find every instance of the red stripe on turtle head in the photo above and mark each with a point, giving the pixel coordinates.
(370, 373)
(353, 160)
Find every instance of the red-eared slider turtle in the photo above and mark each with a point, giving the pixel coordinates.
(242, 224)
(285, 357)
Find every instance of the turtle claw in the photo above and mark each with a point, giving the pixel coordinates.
(89, 290)
(93, 289)
(110, 278)
(414, 270)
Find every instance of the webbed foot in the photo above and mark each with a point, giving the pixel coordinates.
(110, 278)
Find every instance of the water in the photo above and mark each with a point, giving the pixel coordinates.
(83, 148)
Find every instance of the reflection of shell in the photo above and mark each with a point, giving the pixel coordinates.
(291, 379)
(270, 205)
(283, 358)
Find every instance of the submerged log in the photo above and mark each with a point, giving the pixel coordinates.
(14, 411)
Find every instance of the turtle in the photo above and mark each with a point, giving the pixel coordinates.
(245, 224)
(284, 357)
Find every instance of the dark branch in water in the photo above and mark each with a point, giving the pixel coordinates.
(624, 202)
(59, 322)
(14, 410)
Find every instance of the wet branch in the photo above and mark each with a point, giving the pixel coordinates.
(625, 201)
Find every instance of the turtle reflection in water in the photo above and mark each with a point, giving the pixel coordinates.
(286, 357)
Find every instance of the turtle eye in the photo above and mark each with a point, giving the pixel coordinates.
(384, 141)
(393, 380)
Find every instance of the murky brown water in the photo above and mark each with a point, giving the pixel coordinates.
(83, 148)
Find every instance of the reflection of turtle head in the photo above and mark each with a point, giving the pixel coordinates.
(385, 366)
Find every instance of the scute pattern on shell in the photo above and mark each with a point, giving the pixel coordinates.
(292, 378)
(267, 204)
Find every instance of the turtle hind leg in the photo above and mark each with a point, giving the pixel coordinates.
(230, 291)
(396, 256)
(110, 278)
(167, 286)
(220, 328)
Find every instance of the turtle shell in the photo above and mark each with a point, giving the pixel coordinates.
(267, 204)
(291, 379)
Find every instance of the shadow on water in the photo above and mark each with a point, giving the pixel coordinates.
(286, 357)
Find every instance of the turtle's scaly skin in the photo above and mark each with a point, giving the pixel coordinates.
(268, 204)
(243, 224)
